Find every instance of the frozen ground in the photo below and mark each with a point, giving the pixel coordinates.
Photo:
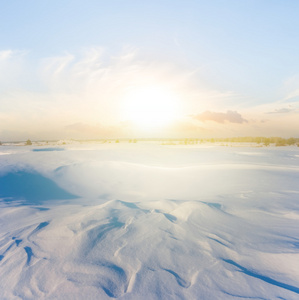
(145, 221)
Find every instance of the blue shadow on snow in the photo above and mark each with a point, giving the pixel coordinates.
(263, 278)
(48, 149)
(31, 187)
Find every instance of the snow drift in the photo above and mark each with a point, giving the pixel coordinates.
(149, 222)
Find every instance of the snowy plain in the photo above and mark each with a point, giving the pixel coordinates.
(146, 221)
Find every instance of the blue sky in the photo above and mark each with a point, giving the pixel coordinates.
(64, 66)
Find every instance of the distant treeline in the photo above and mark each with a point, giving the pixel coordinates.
(263, 141)
(266, 141)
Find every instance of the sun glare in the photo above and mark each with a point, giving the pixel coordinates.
(150, 107)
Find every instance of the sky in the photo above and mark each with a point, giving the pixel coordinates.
(128, 69)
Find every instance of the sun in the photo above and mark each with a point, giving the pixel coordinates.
(150, 107)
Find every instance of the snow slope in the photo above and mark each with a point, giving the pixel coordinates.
(145, 221)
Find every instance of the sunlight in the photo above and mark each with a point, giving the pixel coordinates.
(150, 107)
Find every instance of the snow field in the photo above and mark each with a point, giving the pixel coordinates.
(149, 222)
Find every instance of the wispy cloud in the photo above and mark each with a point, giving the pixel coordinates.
(283, 110)
(8, 54)
(5, 54)
(80, 89)
(291, 89)
(55, 65)
(219, 117)
(82, 94)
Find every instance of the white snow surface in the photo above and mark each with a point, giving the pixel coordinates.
(146, 221)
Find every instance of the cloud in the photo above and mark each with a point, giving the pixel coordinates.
(56, 65)
(11, 56)
(229, 116)
(5, 54)
(291, 89)
(283, 110)
(292, 96)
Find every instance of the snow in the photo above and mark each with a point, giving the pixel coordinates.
(146, 221)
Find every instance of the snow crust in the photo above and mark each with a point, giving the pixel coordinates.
(146, 221)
